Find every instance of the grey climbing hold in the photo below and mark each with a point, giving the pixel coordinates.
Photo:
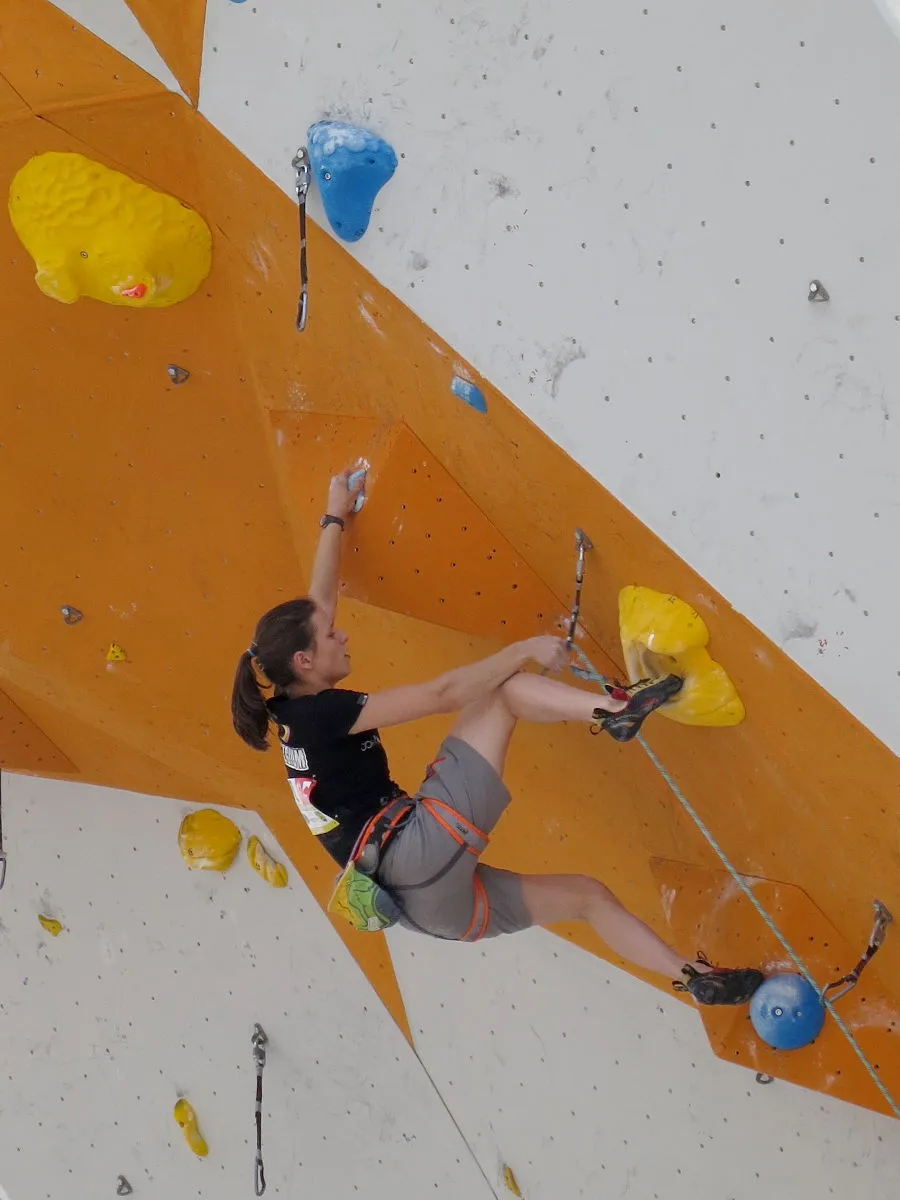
(178, 375)
(818, 293)
(71, 615)
(764, 1079)
(123, 1187)
(356, 479)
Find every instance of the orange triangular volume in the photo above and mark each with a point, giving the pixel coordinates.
(53, 62)
(175, 27)
(12, 106)
(25, 747)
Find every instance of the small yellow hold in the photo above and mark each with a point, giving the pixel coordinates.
(116, 654)
(510, 1180)
(208, 840)
(53, 927)
(661, 635)
(95, 232)
(265, 865)
(187, 1121)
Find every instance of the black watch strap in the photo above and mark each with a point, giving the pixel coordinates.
(328, 519)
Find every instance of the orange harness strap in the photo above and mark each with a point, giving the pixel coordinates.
(381, 827)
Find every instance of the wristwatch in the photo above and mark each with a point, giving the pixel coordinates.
(328, 519)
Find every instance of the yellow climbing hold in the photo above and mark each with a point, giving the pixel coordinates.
(53, 927)
(510, 1180)
(116, 654)
(208, 841)
(95, 232)
(187, 1120)
(662, 635)
(265, 865)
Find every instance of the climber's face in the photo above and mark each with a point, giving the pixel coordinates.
(327, 661)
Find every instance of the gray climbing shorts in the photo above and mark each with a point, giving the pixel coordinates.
(432, 864)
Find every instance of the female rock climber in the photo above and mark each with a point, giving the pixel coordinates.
(424, 850)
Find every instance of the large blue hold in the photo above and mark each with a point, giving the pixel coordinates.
(787, 1012)
(351, 166)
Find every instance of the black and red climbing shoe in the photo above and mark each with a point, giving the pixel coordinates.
(643, 698)
(719, 985)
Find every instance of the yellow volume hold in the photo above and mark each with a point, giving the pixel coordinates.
(95, 232)
(187, 1121)
(265, 865)
(208, 841)
(661, 635)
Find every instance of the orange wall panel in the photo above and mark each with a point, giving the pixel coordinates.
(173, 516)
(176, 29)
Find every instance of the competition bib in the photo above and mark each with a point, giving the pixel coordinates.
(317, 821)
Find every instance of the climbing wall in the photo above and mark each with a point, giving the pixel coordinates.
(150, 992)
(582, 301)
(621, 234)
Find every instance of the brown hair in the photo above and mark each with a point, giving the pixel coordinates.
(279, 634)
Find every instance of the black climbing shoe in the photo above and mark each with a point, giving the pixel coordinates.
(721, 985)
(643, 698)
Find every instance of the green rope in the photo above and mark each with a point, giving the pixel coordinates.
(587, 672)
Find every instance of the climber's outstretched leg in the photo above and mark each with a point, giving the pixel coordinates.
(488, 724)
(551, 899)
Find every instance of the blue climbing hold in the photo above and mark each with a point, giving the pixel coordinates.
(351, 165)
(787, 1011)
(472, 395)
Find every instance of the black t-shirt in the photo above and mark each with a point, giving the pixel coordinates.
(339, 780)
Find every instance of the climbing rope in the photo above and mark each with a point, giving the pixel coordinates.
(588, 672)
(258, 1043)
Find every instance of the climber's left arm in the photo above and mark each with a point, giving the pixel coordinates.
(326, 572)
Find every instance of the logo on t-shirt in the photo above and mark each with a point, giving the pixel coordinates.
(317, 821)
(295, 758)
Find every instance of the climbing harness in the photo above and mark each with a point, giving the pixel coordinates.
(300, 163)
(358, 897)
(589, 673)
(258, 1043)
(368, 905)
(879, 930)
(2, 851)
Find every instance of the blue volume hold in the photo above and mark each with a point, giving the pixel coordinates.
(472, 395)
(351, 166)
(787, 1011)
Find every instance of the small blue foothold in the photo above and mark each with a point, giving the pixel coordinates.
(472, 395)
(351, 166)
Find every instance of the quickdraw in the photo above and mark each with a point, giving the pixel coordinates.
(840, 987)
(258, 1043)
(300, 163)
(582, 543)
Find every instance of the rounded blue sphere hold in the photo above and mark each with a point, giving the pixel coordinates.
(787, 1011)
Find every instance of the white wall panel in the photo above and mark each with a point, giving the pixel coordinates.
(615, 213)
